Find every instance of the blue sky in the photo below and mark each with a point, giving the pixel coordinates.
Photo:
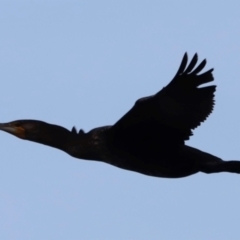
(85, 63)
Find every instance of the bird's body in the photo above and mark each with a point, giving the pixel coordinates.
(150, 138)
(163, 161)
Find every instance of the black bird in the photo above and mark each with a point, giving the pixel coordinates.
(150, 138)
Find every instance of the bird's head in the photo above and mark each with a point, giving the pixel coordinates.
(24, 129)
(37, 131)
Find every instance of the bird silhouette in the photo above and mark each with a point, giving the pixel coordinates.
(150, 137)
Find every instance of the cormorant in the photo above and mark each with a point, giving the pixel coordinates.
(150, 137)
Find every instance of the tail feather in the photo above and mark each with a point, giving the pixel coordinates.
(223, 166)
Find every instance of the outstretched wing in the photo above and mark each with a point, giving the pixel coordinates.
(171, 114)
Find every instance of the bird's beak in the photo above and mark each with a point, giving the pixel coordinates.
(15, 130)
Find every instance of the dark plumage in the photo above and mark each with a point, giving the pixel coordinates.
(150, 138)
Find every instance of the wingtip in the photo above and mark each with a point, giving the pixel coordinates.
(185, 57)
(81, 131)
(74, 130)
(183, 64)
(195, 56)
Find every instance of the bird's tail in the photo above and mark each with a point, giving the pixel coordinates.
(222, 166)
(208, 163)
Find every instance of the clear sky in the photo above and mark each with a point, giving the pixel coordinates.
(85, 63)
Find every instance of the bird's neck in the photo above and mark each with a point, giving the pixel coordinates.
(84, 146)
(53, 136)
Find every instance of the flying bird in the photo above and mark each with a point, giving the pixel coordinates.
(150, 137)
